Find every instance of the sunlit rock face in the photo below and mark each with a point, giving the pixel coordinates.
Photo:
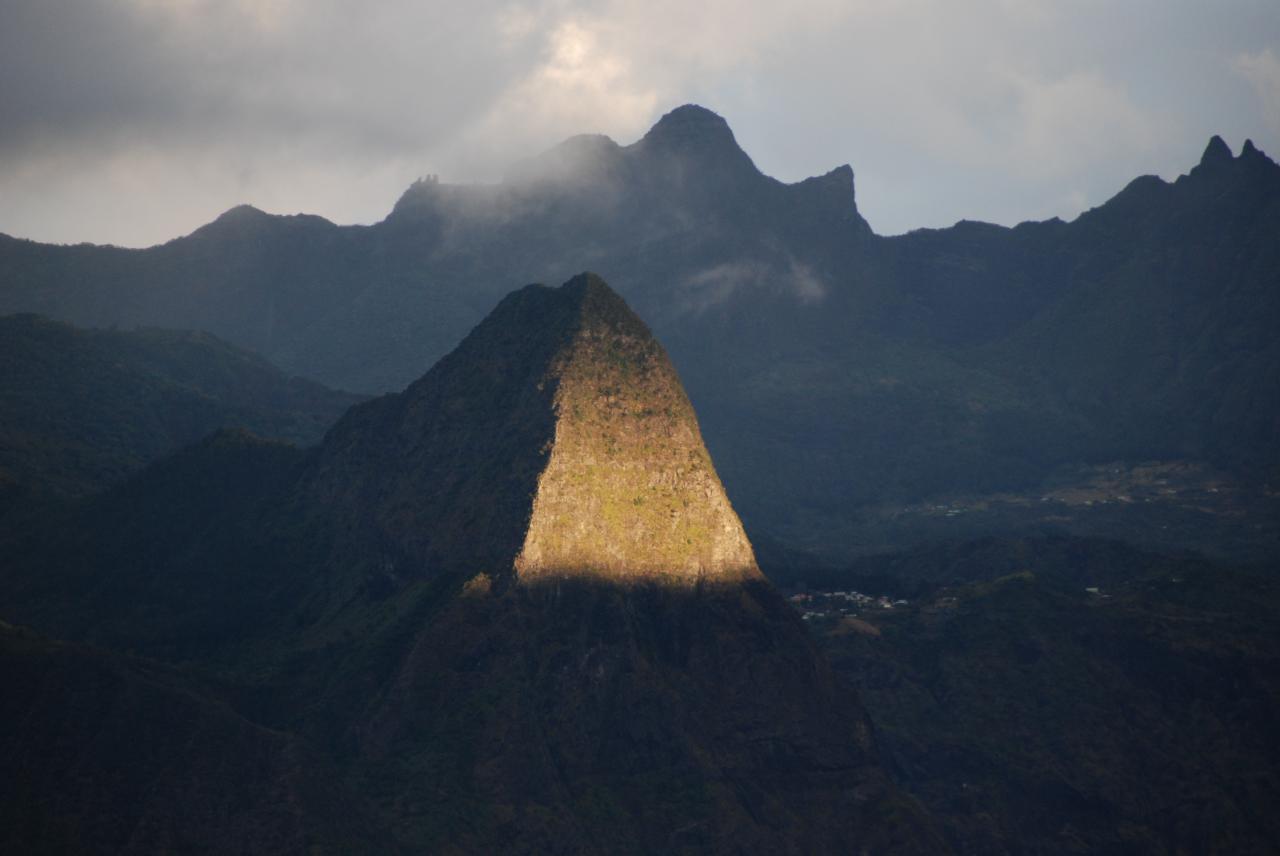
(555, 441)
(629, 491)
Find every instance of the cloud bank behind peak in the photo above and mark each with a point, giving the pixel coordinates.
(135, 121)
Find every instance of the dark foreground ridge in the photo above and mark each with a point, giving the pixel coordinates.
(511, 607)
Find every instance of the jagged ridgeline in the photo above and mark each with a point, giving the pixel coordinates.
(557, 439)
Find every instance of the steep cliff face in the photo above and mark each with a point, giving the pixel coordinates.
(629, 490)
(556, 441)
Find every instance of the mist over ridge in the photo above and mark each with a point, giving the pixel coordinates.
(992, 112)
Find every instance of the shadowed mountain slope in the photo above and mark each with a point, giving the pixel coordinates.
(591, 717)
(81, 409)
(512, 603)
(1064, 695)
(101, 753)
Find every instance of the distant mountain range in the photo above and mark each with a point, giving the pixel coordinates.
(837, 373)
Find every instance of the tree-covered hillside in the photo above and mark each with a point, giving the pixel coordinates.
(81, 409)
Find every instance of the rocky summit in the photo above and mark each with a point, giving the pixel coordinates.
(629, 489)
(558, 436)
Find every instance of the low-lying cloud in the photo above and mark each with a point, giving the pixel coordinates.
(719, 283)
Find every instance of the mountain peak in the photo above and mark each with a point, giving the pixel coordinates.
(1250, 153)
(242, 214)
(556, 441)
(694, 130)
(1252, 168)
(1216, 153)
(690, 118)
(236, 221)
(600, 303)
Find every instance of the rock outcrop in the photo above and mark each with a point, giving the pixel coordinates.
(555, 441)
(629, 490)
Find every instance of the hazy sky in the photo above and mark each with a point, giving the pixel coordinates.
(134, 121)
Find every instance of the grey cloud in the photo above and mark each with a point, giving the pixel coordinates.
(135, 120)
(82, 71)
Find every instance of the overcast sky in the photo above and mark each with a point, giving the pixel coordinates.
(135, 121)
